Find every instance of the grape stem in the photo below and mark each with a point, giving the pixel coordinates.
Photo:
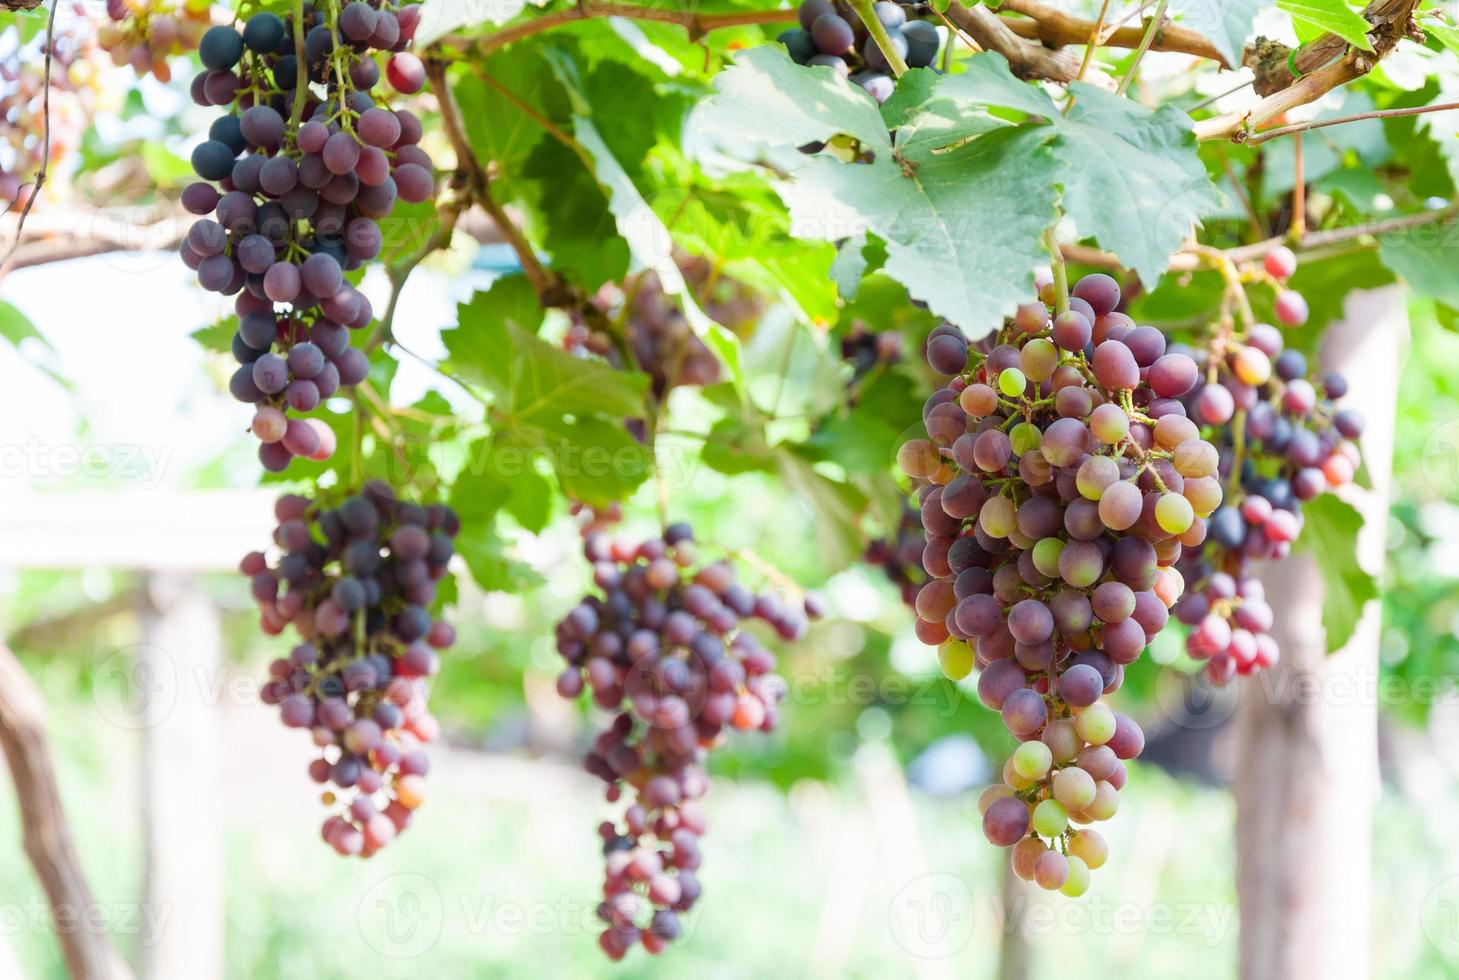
(1061, 274)
(301, 75)
(879, 34)
(1156, 19)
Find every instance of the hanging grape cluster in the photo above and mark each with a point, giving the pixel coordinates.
(900, 556)
(306, 163)
(76, 84)
(1283, 441)
(832, 35)
(660, 644)
(356, 578)
(1061, 481)
(145, 33)
(866, 349)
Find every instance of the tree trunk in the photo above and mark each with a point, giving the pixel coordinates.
(1307, 771)
(88, 952)
(177, 673)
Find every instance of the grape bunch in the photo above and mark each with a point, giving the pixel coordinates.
(1283, 441)
(660, 644)
(659, 336)
(306, 164)
(900, 556)
(356, 577)
(832, 35)
(76, 84)
(865, 349)
(145, 33)
(1061, 482)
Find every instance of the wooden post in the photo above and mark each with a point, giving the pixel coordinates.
(89, 953)
(181, 784)
(1307, 771)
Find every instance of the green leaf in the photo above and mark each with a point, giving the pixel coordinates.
(15, 326)
(575, 226)
(406, 231)
(1328, 535)
(639, 224)
(1444, 34)
(1331, 17)
(495, 343)
(217, 336)
(1132, 178)
(1424, 257)
(499, 128)
(835, 506)
(1227, 23)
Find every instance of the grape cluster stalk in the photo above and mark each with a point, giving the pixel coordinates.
(660, 644)
(306, 163)
(833, 36)
(1061, 481)
(356, 577)
(145, 33)
(1283, 441)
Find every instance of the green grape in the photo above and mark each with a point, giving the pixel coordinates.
(1033, 759)
(1106, 802)
(1049, 817)
(1046, 556)
(1174, 513)
(955, 658)
(1025, 437)
(1095, 724)
(1012, 382)
(1077, 882)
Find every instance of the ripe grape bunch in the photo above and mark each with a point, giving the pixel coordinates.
(1285, 441)
(306, 164)
(358, 576)
(145, 33)
(1062, 481)
(832, 35)
(661, 645)
(866, 349)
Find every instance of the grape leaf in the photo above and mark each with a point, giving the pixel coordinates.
(15, 326)
(495, 343)
(1424, 257)
(1227, 23)
(498, 128)
(1331, 526)
(1132, 178)
(639, 225)
(574, 224)
(1330, 17)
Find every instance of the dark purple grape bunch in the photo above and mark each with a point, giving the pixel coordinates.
(866, 349)
(660, 337)
(661, 644)
(1287, 441)
(833, 36)
(900, 556)
(295, 180)
(1061, 481)
(356, 577)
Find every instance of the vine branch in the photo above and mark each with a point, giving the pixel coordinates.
(1056, 28)
(1302, 127)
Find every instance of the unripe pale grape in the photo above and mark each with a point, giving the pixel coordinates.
(1095, 724)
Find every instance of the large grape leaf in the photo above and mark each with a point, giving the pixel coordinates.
(1330, 528)
(503, 129)
(1132, 178)
(1227, 23)
(573, 223)
(964, 193)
